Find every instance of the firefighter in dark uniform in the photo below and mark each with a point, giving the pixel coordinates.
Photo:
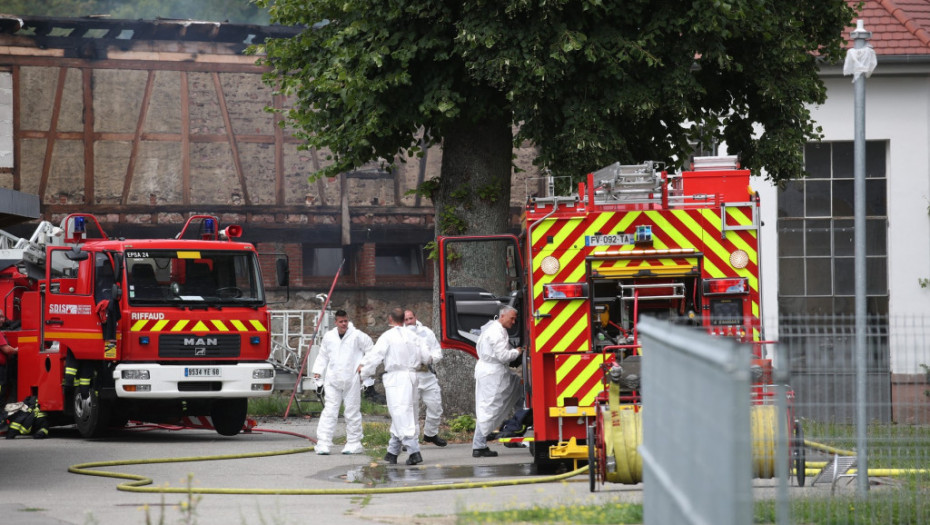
(7, 365)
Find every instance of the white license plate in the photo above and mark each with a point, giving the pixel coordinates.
(609, 240)
(203, 371)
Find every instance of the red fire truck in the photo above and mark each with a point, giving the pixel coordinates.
(157, 330)
(632, 240)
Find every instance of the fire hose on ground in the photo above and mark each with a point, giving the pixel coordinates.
(139, 483)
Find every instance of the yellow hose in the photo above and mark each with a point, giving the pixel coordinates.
(625, 436)
(762, 418)
(827, 448)
(138, 482)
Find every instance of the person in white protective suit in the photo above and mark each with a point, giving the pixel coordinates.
(429, 389)
(402, 352)
(497, 387)
(341, 351)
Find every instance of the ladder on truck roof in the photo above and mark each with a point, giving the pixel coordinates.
(14, 250)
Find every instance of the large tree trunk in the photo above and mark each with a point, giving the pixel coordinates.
(474, 188)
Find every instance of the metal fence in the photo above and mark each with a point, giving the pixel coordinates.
(814, 404)
(819, 354)
(696, 462)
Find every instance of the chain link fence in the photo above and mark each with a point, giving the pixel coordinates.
(819, 354)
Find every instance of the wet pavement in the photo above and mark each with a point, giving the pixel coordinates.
(39, 490)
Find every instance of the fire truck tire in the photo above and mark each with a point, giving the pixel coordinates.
(545, 464)
(229, 415)
(798, 457)
(592, 459)
(627, 435)
(763, 420)
(92, 414)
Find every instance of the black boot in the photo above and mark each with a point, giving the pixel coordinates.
(415, 459)
(436, 440)
(390, 458)
(483, 453)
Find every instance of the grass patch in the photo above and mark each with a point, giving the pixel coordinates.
(612, 512)
(889, 446)
(891, 507)
(276, 405)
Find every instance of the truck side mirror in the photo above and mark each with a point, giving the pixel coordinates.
(117, 293)
(283, 273)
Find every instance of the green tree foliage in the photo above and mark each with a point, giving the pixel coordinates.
(589, 82)
(236, 11)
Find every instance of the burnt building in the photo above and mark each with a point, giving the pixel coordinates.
(143, 123)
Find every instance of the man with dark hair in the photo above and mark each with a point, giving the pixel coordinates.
(402, 352)
(341, 351)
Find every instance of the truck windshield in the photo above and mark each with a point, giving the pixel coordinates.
(186, 277)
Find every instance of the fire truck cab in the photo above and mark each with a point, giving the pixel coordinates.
(632, 240)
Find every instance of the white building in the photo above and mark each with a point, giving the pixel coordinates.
(808, 226)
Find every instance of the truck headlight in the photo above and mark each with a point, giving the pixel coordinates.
(136, 375)
(263, 373)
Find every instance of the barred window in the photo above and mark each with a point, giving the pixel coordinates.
(816, 233)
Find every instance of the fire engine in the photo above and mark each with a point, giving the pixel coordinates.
(157, 330)
(632, 240)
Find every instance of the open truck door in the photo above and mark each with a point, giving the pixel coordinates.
(478, 275)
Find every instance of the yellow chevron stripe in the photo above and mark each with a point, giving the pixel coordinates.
(200, 326)
(668, 230)
(258, 325)
(574, 388)
(557, 325)
(567, 366)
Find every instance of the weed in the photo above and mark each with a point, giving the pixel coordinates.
(613, 512)
(189, 507)
(463, 423)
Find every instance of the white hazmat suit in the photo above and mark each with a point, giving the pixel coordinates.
(337, 364)
(429, 389)
(497, 387)
(402, 352)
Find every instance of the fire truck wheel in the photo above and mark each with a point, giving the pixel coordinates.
(229, 415)
(798, 454)
(592, 460)
(545, 464)
(91, 413)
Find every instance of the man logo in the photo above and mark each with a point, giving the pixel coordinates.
(204, 341)
(200, 352)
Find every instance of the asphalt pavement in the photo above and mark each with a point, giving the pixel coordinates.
(37, 489)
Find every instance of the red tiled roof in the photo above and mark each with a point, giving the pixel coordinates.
(899, 27)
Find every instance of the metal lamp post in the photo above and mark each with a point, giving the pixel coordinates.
(860, 62)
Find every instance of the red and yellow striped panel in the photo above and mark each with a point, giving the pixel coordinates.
(194, 325)
(563, 326)
(579, 376)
